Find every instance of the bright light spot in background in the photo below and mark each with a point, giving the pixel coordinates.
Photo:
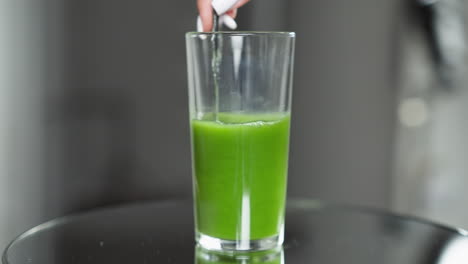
(413, 112)
(456, 252)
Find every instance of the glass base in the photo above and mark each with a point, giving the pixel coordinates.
(217, 244)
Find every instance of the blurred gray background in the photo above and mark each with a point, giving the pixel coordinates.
(93, 104)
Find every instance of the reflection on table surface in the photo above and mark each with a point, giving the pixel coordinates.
(163, 233)
(274, 256)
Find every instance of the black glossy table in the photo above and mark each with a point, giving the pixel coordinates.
(162, 232)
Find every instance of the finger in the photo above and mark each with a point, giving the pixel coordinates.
(228, 21)
(232, 13)
(206, 14)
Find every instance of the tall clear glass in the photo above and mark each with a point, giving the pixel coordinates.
(240, 86)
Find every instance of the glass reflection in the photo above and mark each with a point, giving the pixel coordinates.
(274, 256)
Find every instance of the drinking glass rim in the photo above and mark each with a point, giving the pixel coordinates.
(242, 33)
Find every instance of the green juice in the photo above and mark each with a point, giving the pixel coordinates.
(240, 165)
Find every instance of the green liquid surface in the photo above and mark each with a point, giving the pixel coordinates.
(240, 170)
